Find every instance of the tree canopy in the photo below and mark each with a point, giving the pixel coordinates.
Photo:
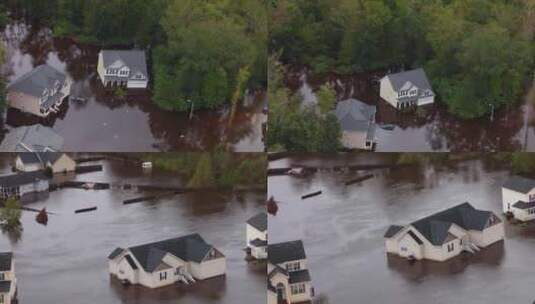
(477, 53)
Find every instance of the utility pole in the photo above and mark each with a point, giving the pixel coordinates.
(191, 110)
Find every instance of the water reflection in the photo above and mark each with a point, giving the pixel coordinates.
(105, 123)
(417, 270)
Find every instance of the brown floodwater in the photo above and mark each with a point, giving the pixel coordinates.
(432, 128)
(135, 123)
(342, 230)
(66, 260)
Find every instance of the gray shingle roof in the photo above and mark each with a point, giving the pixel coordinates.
(5, 261)
(392, 230)
(5, 286)
(39, 157)
(115, 253)
(285, 252)
(354, 115)
(22, 178)
(37, 80)
(36, 138)
(299, 276)
(416, 77)
(130, 261)
(259, 221)
(524, 205)
(519, 184)
(134, 59)
(435, 227)
(188, 248)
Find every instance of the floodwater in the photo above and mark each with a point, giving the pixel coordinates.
(105, 123)
(432, 128)
(343, 229)
(66, 261)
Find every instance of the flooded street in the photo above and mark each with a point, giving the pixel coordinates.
(105, 123)
(431, 128)
(342, 230)
(67, 259)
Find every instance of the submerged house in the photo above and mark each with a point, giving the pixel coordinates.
(518, 198)
(39, 92)
(288, 277)
(8, 281)
(24, 186)
(445, 234)
(256, 236)
(185, 259)
(357, 122)
(407, 89)
(36, 138)
(56, 161)
(123, 68)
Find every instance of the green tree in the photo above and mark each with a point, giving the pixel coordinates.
(204, 173)
(10, 214)
(326, 98)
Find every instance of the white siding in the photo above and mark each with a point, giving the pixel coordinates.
(387, 92)
(426, 100)
(137, 84)
(509, 197)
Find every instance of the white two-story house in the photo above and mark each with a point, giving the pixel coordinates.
(256, 236)
(445, 234)
(288, 277)
(185, 259)
(39, 92)
(123, 68)
(8, 281)
(518, 198)
(407, 89)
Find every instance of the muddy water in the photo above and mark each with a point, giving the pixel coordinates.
(343, 229)
(433, 129)
(67, 259)
(105, 123)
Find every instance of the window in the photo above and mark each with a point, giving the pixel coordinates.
(2, 276)
(1, 298)
(163, 275)
(293, 266)
(451, 247)
(297, 288)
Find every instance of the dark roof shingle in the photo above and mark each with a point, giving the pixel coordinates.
(435, 227)
(519, 184)
(22, 178)
(188, 248)
(5, 261)
(259, 221)
(285, 252)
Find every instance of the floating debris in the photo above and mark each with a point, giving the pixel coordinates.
(85, 210)
(42, 217)
(272, 206)
(311, 194)
(359, 179)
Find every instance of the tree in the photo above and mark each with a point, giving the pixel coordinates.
(210, 46)
(203, 176)
(326, 98)
(10, 214)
